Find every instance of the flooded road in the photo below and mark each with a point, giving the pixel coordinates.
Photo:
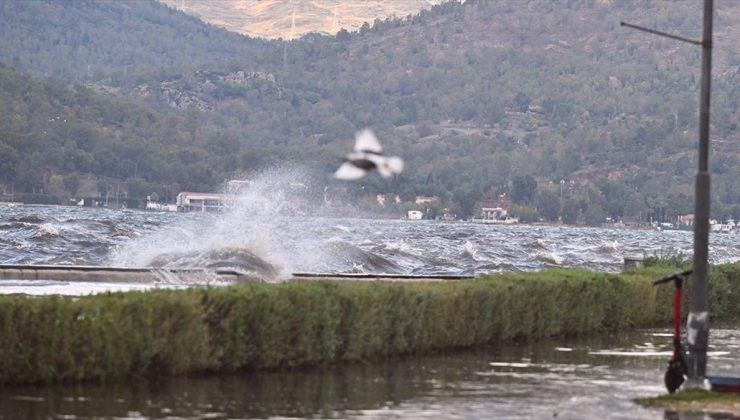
(587, 378)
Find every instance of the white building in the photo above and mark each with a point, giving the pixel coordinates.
(150, 205)
(195, 201)
(414, 215)
(493, 213)
(423, 199)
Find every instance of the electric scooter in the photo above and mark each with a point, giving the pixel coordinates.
(678, 367)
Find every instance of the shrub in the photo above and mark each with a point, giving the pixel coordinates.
(257, 326)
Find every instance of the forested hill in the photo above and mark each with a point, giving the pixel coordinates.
(87, 40)
(69, 141)
(481, 99)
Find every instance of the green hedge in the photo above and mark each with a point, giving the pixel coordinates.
(255, 326)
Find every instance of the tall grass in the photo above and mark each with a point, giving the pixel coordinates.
(257, 326)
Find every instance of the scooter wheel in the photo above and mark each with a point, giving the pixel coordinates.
(674, 376)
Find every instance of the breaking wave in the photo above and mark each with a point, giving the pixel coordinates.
(262, 232)
(266, 233)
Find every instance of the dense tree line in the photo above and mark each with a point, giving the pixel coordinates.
(482, 99)
(88, 40)
(50, 129)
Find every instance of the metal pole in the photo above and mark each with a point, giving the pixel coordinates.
(698, 321)
(661, 33)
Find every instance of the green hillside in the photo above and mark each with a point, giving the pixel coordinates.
(481, 99)
(54, 137)
(87, 40)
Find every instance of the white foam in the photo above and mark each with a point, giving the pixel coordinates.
(47, 287)
(469, 250)
(262, 220)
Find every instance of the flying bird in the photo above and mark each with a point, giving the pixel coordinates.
(366, 156)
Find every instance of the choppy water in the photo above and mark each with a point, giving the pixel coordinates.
(275, 245)
(262, 234)
(566, 379)
(574, 379)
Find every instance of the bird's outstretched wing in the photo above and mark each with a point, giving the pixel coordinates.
(349, 172)
(389, 166)
(368, 155)
(365, 141)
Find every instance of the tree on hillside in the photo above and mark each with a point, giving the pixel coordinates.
(523, 189)
(571, 211)
(9, 161)
(548, 205)
(594, 214)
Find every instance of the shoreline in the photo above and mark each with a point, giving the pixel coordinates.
(353, 214)
(695, 401)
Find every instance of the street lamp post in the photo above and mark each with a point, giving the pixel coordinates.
(698, 322)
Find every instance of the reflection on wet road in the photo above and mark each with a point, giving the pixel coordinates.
(586, 378)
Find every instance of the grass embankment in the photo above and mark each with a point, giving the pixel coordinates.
(695, 400)
(256, 326)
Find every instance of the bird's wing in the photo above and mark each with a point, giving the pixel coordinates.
(389, 166)
(349, 172)
(365, 141)
(395, 164)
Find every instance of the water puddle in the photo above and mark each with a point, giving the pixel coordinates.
(582, 378)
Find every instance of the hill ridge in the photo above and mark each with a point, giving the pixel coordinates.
(273, 19)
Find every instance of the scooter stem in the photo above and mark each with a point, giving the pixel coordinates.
(677, 316)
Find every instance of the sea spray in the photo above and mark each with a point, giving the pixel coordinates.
(469, 251)
(245, 236)
(261, 231)
(303, 243)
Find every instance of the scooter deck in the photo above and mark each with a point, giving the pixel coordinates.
(726, 384)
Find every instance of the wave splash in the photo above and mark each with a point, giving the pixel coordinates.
(263, 232)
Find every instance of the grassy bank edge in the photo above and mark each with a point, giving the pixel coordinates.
(695, 400)
(262, 326)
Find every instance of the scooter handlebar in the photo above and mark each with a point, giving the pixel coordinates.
(675, 276)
